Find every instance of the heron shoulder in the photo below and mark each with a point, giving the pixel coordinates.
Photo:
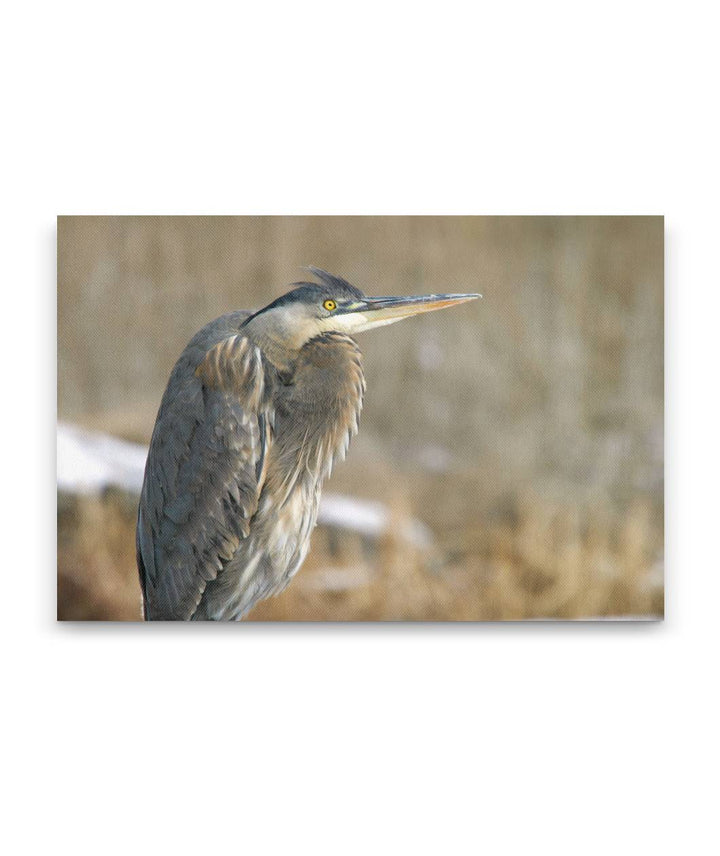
(234, 365)
(218, 329)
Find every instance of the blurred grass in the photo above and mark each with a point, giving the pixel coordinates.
(525, 430)
(538, 563)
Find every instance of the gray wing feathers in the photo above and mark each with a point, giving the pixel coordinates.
(203, 475)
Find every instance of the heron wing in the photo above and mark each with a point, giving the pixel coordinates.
(204, 474)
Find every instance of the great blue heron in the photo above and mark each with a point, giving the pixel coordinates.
(256, 410)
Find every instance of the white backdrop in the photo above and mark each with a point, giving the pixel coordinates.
(360, 739)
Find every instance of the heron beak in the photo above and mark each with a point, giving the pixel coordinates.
(377, 311)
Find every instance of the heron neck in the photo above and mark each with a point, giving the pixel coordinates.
(277, 345)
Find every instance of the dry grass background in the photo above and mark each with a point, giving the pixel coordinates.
(526, 430)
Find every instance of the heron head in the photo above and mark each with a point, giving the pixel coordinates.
(333, 305)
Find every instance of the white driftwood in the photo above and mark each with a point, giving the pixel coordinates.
(89, 462)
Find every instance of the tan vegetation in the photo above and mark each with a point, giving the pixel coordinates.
(535, 564)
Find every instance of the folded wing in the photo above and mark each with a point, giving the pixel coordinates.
(204, 474)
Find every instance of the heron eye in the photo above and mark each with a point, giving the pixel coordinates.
(330, 305)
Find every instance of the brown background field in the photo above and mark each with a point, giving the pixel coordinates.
(525, 430)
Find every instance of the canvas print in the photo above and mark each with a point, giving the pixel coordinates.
(360, 418)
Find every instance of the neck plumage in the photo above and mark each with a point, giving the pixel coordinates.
(279, 343)
(321, 407)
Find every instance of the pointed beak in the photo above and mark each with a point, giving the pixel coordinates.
(377, 311)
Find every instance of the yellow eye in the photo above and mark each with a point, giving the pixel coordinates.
(330, 305)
